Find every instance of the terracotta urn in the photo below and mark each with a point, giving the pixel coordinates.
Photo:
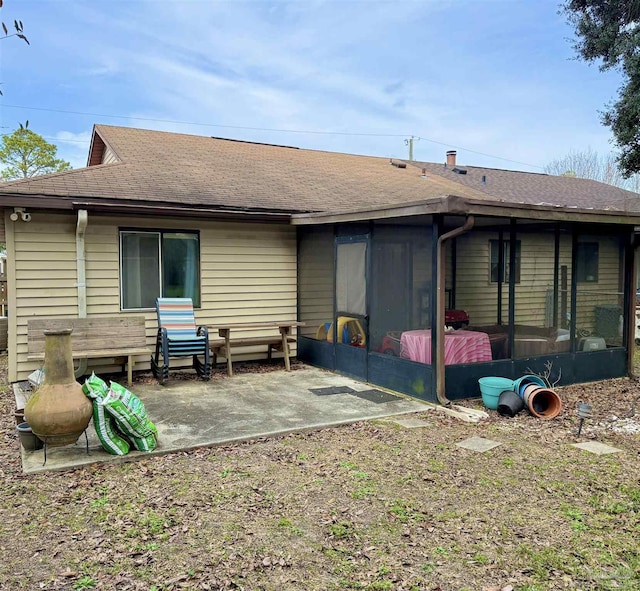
(58, 412)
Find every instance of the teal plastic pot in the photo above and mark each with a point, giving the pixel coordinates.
(491, 387)
(521, 383)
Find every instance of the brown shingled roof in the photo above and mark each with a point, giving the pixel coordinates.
(190, 170)
(536, 188)
(164, 168)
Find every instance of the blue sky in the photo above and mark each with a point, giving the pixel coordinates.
(494, 79)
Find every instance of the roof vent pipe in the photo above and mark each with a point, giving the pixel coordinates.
(451, 158)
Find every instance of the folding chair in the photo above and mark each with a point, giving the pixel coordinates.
(179, 337)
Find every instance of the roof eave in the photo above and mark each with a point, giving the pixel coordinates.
(115, 207)
(165, 210)
(454, 204)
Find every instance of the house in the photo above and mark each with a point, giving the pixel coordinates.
(369, 253)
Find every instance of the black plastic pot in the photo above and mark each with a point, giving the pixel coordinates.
(28, 439)
(509, 404)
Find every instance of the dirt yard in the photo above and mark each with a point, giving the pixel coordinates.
(370, 506)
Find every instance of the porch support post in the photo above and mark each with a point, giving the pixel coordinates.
(436, 228)
(574, 286)
(631, 282)
(501, 267)
(512, 287)
(556, 276)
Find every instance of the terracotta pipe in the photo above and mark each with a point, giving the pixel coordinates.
(440, 288)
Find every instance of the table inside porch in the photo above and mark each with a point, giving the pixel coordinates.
(460, 346)
(281, 340)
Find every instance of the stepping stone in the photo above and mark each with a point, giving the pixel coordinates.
(410, 423)
(596, 448)
(478, 444)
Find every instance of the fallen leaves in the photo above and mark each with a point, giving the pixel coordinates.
(366, 505)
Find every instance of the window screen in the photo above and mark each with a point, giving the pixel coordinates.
(351, 289)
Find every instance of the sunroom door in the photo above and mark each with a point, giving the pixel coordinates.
(350, 330)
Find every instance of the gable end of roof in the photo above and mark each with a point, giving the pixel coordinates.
(99, 149)
(96, 149)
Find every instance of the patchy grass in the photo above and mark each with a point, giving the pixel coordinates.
(368, 506)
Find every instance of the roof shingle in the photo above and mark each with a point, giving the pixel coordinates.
(188, 170)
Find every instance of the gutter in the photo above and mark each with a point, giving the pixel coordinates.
(457, 205)
(440, 289)
(218, 213)
(81, 283)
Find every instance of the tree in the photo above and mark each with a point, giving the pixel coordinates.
(27, 154)
(609, 31)
(588, 164)
(17, 25)
(19, 31)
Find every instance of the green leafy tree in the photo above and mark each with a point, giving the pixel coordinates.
(608, 32)
(24, 154)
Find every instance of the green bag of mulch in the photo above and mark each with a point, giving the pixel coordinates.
(128, 411)
(147, 443)
(110, 440)
(104, 424)
(95, 388)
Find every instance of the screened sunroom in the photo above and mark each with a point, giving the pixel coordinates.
(427, 303)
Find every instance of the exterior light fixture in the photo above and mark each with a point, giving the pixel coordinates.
(584, 412)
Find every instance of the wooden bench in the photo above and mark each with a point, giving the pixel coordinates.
(94, 337)
(279, 342)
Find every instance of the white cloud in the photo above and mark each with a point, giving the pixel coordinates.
(73, 147)
(492, 76)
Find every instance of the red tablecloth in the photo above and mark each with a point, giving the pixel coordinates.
(460, 346)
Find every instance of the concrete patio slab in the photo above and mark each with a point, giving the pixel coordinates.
(594, 447)
(191, 414)
(478, 444)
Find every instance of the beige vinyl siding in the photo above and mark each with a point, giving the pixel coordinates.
(534, 293)
(44, 269)
(607, 291)
(108, 156)
(476, 294)
(248, 274)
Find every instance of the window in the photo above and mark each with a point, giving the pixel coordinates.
(587, 262)
(494, 247)
(158, 264)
